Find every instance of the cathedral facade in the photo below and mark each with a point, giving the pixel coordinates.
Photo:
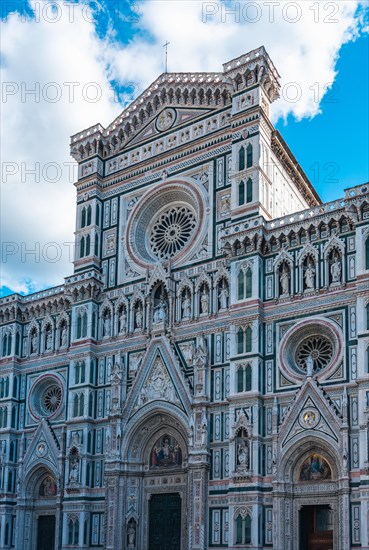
(201, 381)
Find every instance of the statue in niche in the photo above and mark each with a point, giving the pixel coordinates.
(243, 454)
(107, 324)
(123, 321)
(131, 534)
(223, 296)
(336, 268)
(34, 342)
(309, 275)
(160, 310)
(204, 301)
(285, 280)
(204, 431)
(138, 317)
(73, 466)
(49, 339)
(315, 468)
(242, 451)
(64, 337)
(186, 305)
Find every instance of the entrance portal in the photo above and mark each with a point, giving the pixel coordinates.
(165, 522)
(316, 528)
(46, 533)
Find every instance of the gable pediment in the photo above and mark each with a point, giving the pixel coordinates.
(168, 119)
(44, 447)
(310, 412)
(159, 378)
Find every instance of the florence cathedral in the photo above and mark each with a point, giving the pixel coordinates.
(201, 381)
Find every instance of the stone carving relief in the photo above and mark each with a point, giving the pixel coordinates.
(158, 385)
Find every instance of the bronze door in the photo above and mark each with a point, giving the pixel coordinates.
(46, 533)
(165, 522)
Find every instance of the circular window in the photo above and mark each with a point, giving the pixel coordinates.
(46, 397)
(171, 231)
(317, 343)
(51, 398)
(319, 348)
(167, 223)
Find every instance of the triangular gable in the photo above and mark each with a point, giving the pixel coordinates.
(159, 378)
(180, 117)
(44, 448)
(310, 411)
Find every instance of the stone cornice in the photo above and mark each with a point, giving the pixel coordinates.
(205, 90)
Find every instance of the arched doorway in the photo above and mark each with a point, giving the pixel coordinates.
(311, 498)
(39, 512)
(157, 507)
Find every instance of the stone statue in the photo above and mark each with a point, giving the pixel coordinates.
(123, 321)
(243, 454)
(34, 343)
(160, 311)
(223, 297)
(49, 340)
(336, 270)
(190, 435)
(107, 325)
(309, 362)
(131, 533)
(74, 469)
(186, 306)
(310, 276)
(204, 302)
(204, 431)
(285, 280)
(139, 317)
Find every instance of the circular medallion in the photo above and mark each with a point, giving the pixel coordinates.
(41, 449)
(165, 120)
(309, 418)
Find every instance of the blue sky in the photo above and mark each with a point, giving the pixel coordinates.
(118, 46)
(333, 146)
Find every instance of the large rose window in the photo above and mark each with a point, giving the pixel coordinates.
(52, 398)
(46, 397)
(167, 223)
(313, 345)
(319, 348)
(171, 231)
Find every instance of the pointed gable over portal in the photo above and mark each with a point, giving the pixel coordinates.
(159, 378)
(311, 411)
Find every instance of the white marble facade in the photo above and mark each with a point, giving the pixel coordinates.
(212, 344)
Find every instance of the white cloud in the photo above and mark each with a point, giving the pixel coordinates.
(202, 37)
(35, 129)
